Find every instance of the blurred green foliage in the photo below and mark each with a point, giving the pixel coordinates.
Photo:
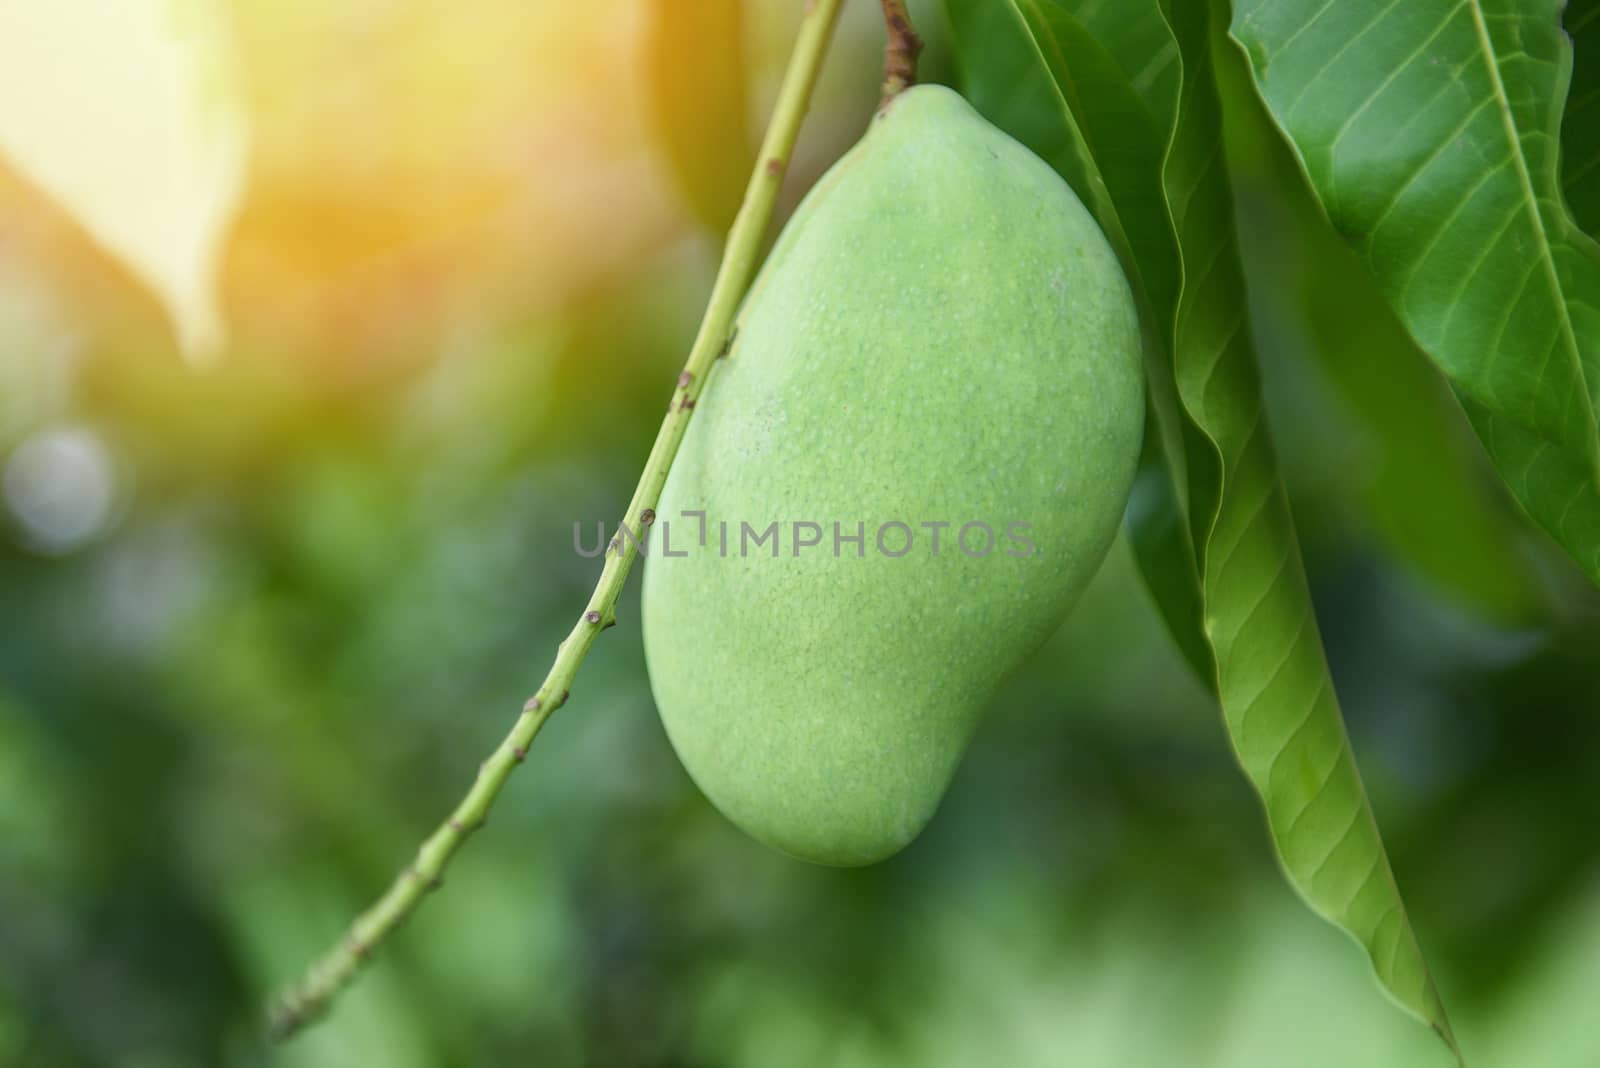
(312, 605)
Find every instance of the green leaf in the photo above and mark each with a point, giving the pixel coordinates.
(1427, 499)
(1404, 453)
(699, 100)
(1162, 160)
(1429, 134)
(1164, 552)
(1580, 128)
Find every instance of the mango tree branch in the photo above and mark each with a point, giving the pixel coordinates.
(900, 55)
(310, 997)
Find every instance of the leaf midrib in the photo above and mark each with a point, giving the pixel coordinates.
(1531, 206)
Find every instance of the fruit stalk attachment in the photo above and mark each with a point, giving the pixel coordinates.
(900, 55)
(310, 997)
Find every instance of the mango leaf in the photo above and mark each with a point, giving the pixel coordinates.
(128, 115)
(1580, 128)
(1159, 536)
(1163, 160)
(695, 66)
(1430, 135)
(1404, 453)
(1427, 494)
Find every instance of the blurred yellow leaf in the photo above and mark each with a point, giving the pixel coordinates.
(128, 114)
(694, 56)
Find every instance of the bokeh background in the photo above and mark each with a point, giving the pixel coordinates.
(260, 621)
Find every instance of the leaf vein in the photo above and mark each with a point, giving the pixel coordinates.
(1355, 820)
(1417, 172)
(1399, 69)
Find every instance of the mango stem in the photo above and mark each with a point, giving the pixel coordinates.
(900, 55)
(310, 997)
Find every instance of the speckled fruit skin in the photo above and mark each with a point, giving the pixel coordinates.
(940, 334)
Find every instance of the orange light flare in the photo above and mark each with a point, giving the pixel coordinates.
(416, 170)
(422, 174)
(425, 168)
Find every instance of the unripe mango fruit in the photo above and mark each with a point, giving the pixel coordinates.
(941, 334)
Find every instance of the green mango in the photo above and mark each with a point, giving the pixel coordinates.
(941, 335)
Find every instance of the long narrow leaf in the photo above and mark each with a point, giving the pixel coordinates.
(1270, 673)
(1419, 474)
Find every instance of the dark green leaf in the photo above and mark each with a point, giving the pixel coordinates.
(1429, 134)
(1418, 474)
(1165, 554)
(1580, 128)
